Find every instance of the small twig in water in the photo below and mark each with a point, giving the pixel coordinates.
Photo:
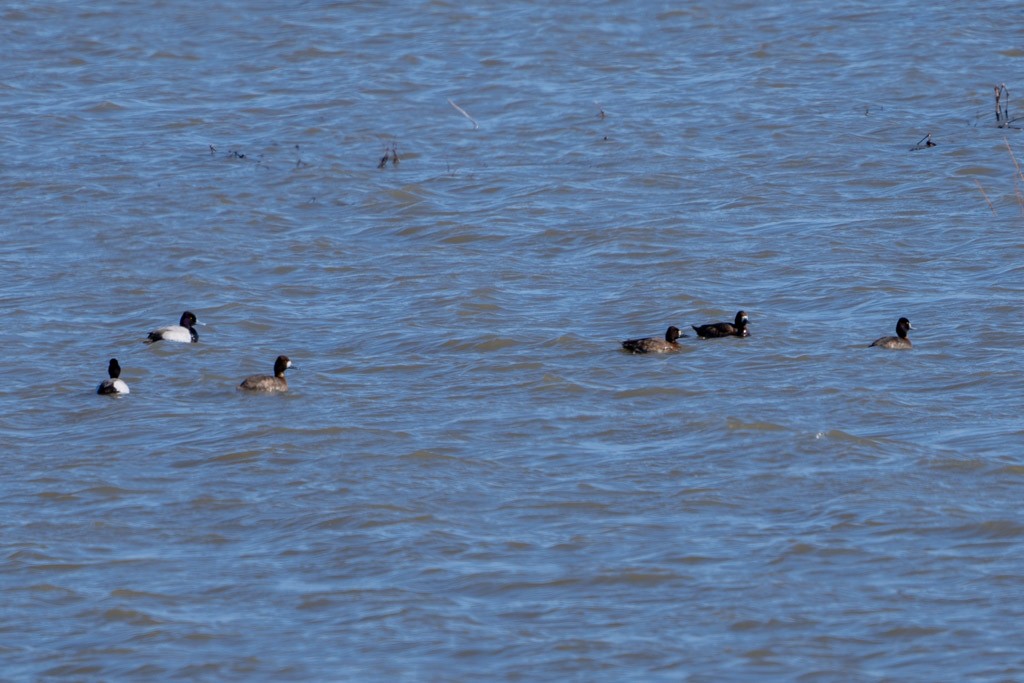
(213, 150)
(927, 140)
(1015, 164)
(1002, 115)
(982, 190)
(1003, 119)
(463, 112)
(1019, 179)
(600, 110)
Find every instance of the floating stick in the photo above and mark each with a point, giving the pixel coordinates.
(927, 140)
(463, 112)
(982, 190)
(1020, 176)
(1016, 165)
(389, 153)
(1002, 115)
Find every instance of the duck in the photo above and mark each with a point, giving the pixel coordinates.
(737, 328)
(113, 385)
(266, 382)
(182, 332)
(900, 341)
(653, 344)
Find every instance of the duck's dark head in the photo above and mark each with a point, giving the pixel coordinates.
(741, 324)
(902, 326)
(280, 365)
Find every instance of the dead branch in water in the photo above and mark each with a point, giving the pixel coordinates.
(1018, 180)
(1002, 115)
(463, 112)
(1015, 164)
(923, 143)
(982, 190)
(1003, 119)
(389, 153)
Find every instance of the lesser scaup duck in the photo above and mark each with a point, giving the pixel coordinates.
(114, 385)
(737, 328)
(182, 332)
(653, 344)
(900, 341)
(266, 382)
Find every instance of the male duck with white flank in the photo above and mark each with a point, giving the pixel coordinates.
(184, 331)
(114, 385)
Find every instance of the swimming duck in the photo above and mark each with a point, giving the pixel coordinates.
(653, 344)
(737, 328)
(114, 385)
(900, 341)
(182, 332)
(266, 382)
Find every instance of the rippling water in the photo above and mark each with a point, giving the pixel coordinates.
(468, 480)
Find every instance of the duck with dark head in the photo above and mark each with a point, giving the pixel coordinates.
(900, 341)
(184, 331)
(266, 382)
(654, 344)
(114, 385)
(737, 328)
